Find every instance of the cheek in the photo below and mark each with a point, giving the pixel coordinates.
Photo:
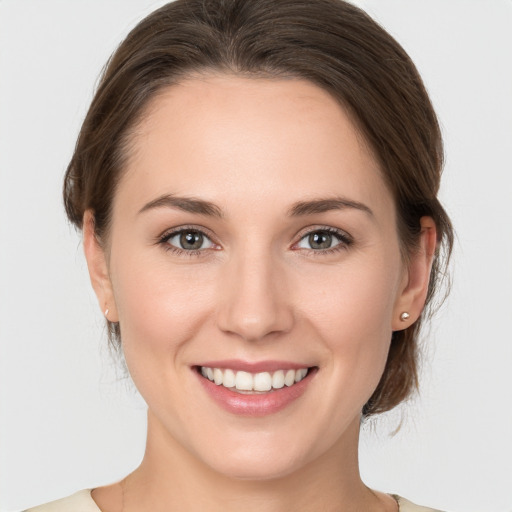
(160, 306)
(350, 308)
(354, 298)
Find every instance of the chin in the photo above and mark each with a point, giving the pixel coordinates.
(257, 461)
(257, 470)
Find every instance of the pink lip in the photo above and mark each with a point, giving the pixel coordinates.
(257, 404)
(254, 367)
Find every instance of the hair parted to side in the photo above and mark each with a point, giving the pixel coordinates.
(331, 43)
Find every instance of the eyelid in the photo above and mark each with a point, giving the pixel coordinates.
(344, 236)
(168, 233)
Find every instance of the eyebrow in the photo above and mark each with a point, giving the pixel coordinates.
(301, 208)
(186, 204)
(326, 205)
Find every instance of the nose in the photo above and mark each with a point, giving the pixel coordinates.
(254, 300)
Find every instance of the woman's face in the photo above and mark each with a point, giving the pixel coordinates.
(252, 233)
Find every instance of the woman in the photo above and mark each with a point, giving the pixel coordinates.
(256, 184)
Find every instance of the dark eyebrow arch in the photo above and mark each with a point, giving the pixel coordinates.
(187, 204)
(202, 207)
(325, 205)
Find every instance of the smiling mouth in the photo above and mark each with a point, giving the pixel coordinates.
(253, 383)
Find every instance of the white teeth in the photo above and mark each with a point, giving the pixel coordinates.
(262, 382)
(258, 382)
(278, 379)
(289, 378)
(217, 376)
(300, 374)
(229, 379)
(244, 381)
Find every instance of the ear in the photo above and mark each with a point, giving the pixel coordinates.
(98, 268)
(414, 288)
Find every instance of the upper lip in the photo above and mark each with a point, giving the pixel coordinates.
(254, 366)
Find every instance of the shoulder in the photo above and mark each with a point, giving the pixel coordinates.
(408, 506)
(78, 502)
(83, 502)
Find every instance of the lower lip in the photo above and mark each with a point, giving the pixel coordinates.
(259, 404)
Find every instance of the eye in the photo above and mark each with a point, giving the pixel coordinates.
(188, 240)
(324, 240)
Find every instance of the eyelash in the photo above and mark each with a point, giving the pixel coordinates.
(343, 237)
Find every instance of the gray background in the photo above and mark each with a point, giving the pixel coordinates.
(68, 421)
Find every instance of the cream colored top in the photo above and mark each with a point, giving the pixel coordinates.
(83, 502)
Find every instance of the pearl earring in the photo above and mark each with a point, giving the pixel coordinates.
(106, 312)
(404, 316)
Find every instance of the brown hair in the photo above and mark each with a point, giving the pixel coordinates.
(328, 42)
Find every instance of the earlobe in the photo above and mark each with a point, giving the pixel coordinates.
(98, 268)
(411, 300)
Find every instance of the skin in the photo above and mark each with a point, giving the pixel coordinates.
(258, 290)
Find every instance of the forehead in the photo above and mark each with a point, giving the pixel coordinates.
(235, 137)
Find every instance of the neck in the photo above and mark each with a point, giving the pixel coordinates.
(170, 477)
